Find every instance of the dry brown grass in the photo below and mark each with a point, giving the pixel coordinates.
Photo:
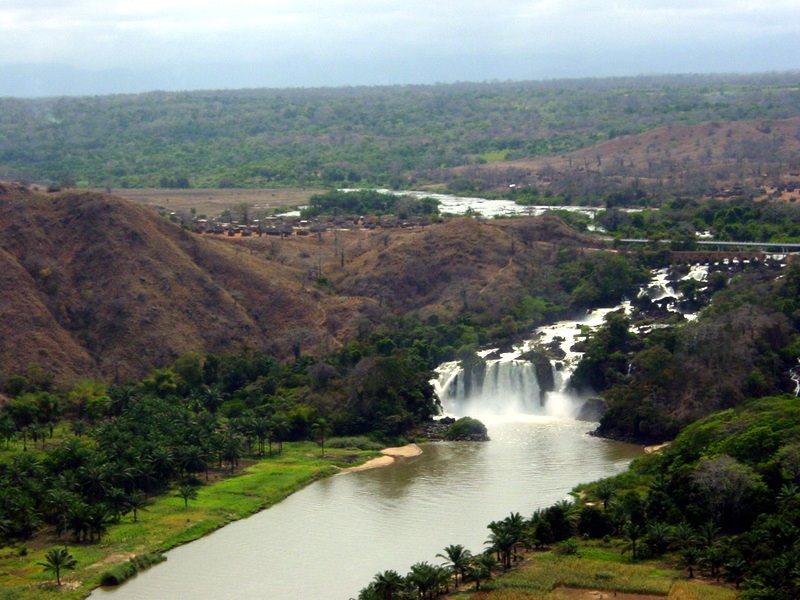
(97, 285)
(730, 152)
(213, 202)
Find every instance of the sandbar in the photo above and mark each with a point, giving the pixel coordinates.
(389, 455)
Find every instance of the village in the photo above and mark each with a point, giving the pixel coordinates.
(293, 224)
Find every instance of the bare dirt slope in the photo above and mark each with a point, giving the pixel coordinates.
(96, 285)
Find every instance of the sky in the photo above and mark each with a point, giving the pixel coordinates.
(78, 47)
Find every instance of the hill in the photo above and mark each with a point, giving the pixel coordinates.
(96, 285)
(712, 159)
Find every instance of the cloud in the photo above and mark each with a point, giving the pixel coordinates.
(512, 36)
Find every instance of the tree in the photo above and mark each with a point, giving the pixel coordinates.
(187, 492)
(689, 559)
(481, 568)
(458, 558)
(57, 559)
(423, 576)
(137, 501)
(389, 584)
(320, 429)
(657, 538)
(633, 533)
(605, 491)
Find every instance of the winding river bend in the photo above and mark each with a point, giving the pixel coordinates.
(329, 539)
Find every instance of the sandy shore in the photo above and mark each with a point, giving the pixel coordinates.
(651, 449)
(389, 455)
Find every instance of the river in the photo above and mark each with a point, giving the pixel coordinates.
(329, 539)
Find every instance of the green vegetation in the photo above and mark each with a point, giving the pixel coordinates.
(467, 428)
(740, 347)
(121, 573)
(393, 136)
(167, 523)
(679, 220)
(77, 461)
(369, 202)
(722, 501)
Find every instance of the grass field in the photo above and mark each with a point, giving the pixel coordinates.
(166, 523)
(212, 202)
(596, 574)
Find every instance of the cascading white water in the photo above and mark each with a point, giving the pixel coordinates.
(512, 386)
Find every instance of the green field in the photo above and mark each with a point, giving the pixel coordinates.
(166, 523)
(599, 568)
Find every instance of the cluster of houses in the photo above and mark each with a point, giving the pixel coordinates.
(285, 226)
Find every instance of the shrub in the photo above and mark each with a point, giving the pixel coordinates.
(122, 572)
(467, 428)
(361, 442)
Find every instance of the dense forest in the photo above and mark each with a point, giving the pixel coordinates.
(742, 346)
(394, 136)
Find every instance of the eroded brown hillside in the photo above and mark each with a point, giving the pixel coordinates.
(92, 284)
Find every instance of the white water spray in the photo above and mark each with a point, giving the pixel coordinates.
(511, 386)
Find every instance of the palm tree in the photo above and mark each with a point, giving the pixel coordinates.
(280, 429)
(689, 558)
(633, 533)
(683, 536)
(713, 557)
(735, 569)
(137, 501)
(389, 584)
(231, 449)
(708, 531)
(57, 559)
(459, 559)
(502, 541)
(320, 429)
(187, 492)
(481, 568)
(604, 491)
(657, 538)
(423, 577)
(98, 518)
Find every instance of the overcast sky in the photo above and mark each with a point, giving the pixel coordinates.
(101, 46)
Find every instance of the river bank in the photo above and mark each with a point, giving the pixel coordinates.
(388, 456)
(166, 523)
(329, 539)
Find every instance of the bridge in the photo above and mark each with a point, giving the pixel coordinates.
(700, 251)
(719, 246)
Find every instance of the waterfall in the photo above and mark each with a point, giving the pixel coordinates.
(534, 377)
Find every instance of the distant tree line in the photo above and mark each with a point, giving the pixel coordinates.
(392, 136)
